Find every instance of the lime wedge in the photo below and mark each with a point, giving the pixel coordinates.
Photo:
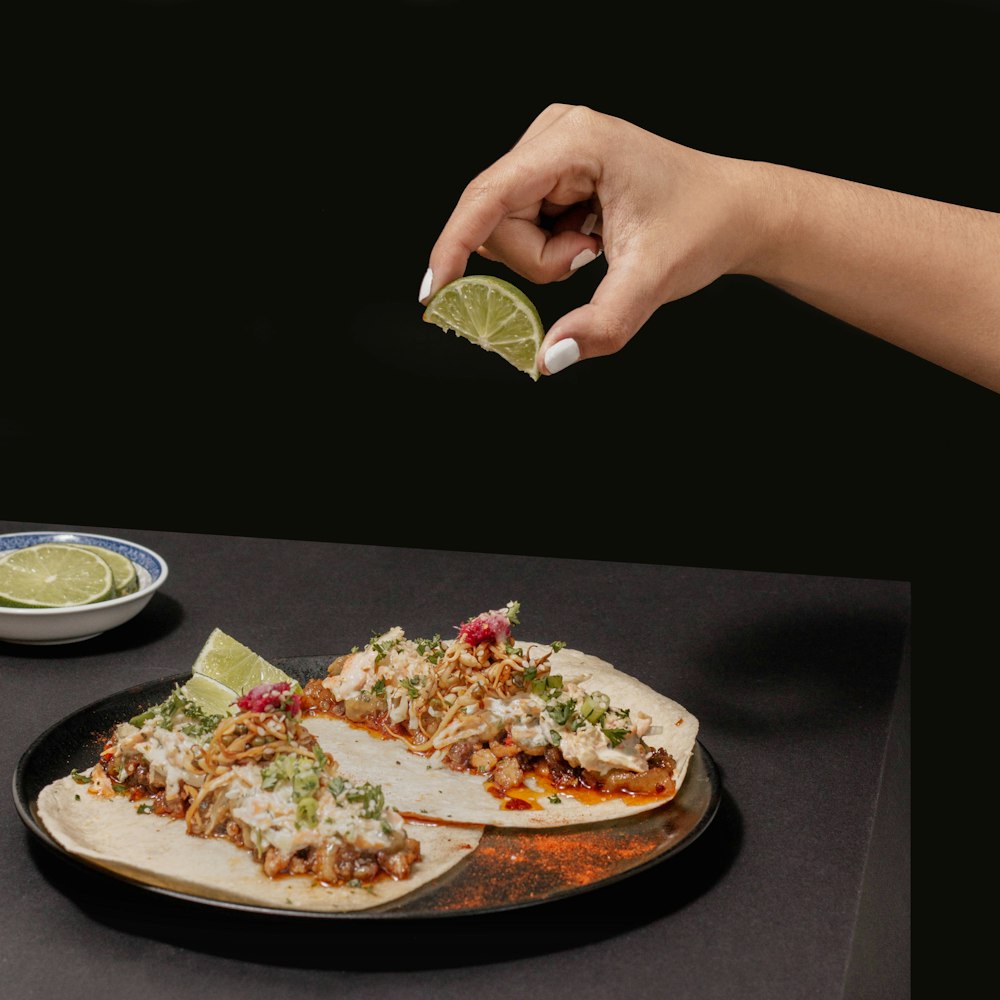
(234, 666)
(122, 568)
(53, 575)
(213, 697)
(492, 314)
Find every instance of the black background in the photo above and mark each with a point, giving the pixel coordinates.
(229, 208)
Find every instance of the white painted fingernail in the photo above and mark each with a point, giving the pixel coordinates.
(561, 355)
(583, 257)
(588, 224)
(425, 285)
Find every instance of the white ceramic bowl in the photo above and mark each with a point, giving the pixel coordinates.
(51, 626)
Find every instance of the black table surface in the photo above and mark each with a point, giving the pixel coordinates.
(799, 888)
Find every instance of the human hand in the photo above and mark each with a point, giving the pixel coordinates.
(668, 219)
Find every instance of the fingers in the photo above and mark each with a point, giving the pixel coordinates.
(622, 303)
(548, 117)
(537, 254)
(539, 211)
(501, 209)
(498, 217)
(517, 243)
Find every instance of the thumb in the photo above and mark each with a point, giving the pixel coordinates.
(623, 301)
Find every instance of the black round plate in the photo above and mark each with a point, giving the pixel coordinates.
(510, 868)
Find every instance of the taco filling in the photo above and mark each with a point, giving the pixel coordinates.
(491, 705)
(259, 779)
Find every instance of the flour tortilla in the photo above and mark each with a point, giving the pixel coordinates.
(437, 792)
(157, 851)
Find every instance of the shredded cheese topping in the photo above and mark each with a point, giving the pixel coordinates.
(437, 693)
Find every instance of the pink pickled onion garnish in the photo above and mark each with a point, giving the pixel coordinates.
(490, 626)
(277, 697)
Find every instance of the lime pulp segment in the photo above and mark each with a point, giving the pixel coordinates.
(493, 314)
(228, 662)
(54, 575)
(213, 697)
(122, 568)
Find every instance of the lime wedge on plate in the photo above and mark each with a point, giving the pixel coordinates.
(234, 666)
(122, 568)
(53, 575)
(493, 315)
(213, 697)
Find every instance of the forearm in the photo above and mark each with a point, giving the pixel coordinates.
(920, 274)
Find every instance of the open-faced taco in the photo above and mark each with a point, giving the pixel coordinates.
(488, 728)
(176, 791)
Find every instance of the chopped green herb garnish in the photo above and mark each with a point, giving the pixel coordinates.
(304, 777)
(431, 649)
(548, 686)
(282, 768)
(144, 808)
(306, 811)
(615, 736)
(554, 799)
(80, 779)
(180, 712)
(595, 706)
(304, 783)
(561, 711)
(557, 645)
(382, 646)
(371, 798)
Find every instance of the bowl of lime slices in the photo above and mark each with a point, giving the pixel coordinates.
(67, 586)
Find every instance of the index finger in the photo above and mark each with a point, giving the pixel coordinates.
(538, 168)
(515, 183)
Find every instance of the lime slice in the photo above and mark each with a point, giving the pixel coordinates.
(122, 568)
(494, 315)
(213, 697)
(234, 666)
(53, 575)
